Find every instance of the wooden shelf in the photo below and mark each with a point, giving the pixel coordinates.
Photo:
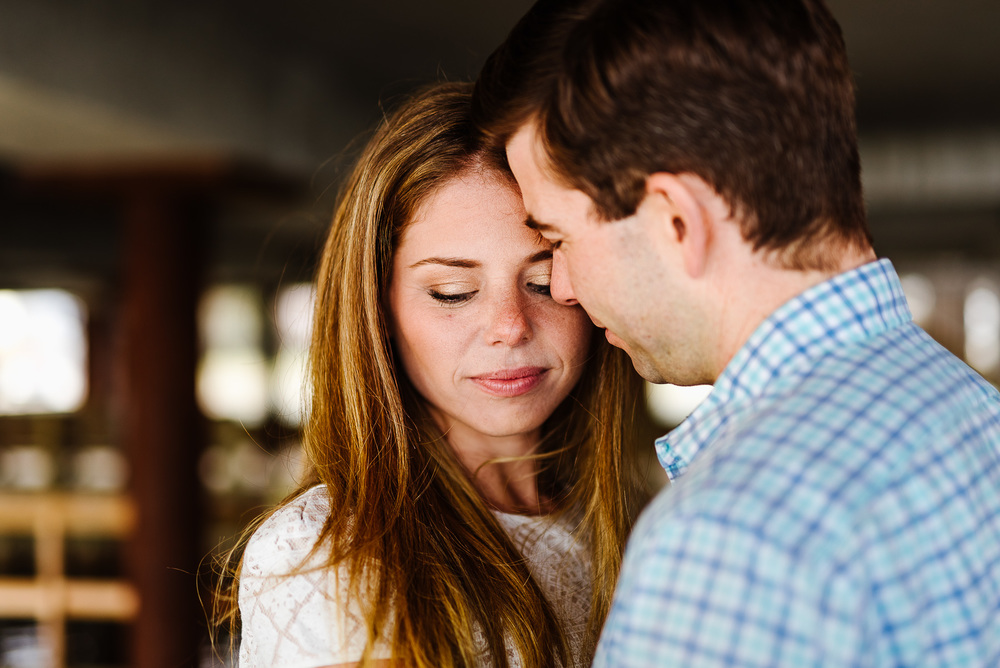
(50, 597)
(34, 598)
(72, 514)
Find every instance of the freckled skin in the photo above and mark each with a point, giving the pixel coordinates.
(472, 320)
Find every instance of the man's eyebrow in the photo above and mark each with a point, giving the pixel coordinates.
(448, 262)
(541, 256)
(537, 225)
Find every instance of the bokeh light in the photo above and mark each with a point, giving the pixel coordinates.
(43, 352)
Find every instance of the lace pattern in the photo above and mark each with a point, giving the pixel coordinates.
(298, 615)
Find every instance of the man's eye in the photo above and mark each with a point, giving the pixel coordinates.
(556, 244)
(449, 298)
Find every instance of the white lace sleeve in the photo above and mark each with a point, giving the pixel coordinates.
(296, 614)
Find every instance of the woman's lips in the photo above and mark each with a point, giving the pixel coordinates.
(511, 382)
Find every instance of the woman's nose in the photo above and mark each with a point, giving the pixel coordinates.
(509, 322)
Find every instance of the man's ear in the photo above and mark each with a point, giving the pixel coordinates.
(690, 226)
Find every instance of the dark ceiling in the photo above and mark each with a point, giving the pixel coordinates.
(919, 63)
(290, 84)
(204, 72)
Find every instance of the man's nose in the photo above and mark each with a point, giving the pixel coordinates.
(559, 285)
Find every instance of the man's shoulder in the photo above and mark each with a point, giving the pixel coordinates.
(804, 463)
(901, 386)
(898, 385)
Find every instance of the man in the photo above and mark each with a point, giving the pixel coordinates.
(836, 499)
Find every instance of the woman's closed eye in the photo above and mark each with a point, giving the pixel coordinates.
(451, 297)
(538, 278)
(540, 288)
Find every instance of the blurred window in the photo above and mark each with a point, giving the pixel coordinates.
(982, 326)
(43, 352)
(921, 297)
(237, 379)
(668, 405)
(233, 371)
(293, 321)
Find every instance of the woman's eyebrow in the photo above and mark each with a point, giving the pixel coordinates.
(461, 263)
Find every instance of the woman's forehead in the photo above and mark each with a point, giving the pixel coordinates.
(475, 211)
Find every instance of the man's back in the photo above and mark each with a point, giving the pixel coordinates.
(695, 165)
(842, 507)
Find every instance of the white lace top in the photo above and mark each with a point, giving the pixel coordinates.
(302, 620)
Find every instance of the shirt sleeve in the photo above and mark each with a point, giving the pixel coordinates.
(295, 611)
(699, 592)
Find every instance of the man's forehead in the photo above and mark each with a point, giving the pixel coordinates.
(523, 158)
(547, 199)
(522, 145)
(529, 160)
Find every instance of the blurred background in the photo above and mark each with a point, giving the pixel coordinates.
(167, 170)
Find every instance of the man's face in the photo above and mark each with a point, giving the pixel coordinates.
(615, 270)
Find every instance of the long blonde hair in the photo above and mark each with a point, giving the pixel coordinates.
(405, 518)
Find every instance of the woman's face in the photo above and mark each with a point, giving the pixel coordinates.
(473, 323)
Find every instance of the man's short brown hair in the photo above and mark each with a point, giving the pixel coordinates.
(754, 97)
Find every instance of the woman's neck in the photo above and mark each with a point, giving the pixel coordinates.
(502, 469)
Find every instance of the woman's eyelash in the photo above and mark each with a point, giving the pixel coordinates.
(540, 288)
(458, 298)
(448, 298)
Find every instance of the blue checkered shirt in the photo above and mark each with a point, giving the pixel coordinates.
(839, 503)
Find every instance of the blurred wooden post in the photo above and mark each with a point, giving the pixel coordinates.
(162, 433)
(166, 210)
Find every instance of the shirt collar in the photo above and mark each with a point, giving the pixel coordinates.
(848, 308)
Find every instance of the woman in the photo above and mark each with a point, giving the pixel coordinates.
(468, 503)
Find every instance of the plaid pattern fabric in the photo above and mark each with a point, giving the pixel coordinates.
(839, 503)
